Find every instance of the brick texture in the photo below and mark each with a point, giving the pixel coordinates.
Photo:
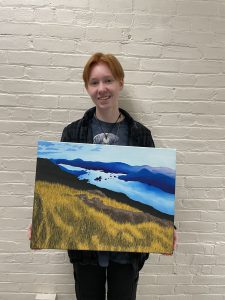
(174, 59)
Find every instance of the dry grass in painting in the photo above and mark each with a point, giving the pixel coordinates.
(62, 220)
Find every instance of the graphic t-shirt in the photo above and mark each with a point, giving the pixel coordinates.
(117, 134)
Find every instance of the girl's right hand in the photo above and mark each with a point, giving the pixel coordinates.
(29, 231)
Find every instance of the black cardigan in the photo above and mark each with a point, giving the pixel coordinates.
(80, 132)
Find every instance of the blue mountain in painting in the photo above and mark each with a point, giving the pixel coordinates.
(162, 178)
(115, 167)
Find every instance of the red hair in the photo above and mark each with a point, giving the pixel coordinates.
(109, 59)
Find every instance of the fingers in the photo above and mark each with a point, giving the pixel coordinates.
(174, 243)
(29, 231)
(175, 239)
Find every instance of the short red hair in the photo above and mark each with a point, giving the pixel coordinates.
(109, 59)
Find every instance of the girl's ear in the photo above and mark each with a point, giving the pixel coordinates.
(86, 88)
(121, 83)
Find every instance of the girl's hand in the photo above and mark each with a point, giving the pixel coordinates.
(174, 242)
(29, 231)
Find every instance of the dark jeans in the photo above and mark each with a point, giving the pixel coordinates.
(90, 281)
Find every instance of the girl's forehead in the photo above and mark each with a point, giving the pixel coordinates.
(100, 69)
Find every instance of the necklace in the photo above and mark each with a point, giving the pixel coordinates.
(106, 135)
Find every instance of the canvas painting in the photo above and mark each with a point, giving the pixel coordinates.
(104, 197)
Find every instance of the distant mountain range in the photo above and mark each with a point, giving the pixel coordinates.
(162, 178)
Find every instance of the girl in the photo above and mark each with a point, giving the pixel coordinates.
(106, 123)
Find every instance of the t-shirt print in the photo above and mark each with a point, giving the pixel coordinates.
(106, 138)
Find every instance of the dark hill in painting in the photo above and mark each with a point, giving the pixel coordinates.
(50, 172)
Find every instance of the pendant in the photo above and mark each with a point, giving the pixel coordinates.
(105, 140)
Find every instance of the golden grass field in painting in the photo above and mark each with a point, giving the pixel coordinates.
(61, 220)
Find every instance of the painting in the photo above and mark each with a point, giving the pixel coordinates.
(104, 197)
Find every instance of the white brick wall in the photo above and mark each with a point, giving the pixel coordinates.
(174, 58)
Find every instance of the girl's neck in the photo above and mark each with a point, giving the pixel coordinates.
(108, 116)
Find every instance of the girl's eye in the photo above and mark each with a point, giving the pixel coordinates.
(104, 81)
(109, 80)
(93, 83)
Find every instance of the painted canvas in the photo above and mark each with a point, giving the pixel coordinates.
(104, 197)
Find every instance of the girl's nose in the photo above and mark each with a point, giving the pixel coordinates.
(101, 86)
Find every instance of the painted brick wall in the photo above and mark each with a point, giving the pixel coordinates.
(174, 58)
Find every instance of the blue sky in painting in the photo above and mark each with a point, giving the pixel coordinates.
(133, 156)
(108, 153)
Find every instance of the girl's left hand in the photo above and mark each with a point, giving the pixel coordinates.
(174, 242)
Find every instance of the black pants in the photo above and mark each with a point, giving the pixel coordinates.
(90, 281)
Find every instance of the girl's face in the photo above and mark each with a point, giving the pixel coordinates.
(103, 88)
